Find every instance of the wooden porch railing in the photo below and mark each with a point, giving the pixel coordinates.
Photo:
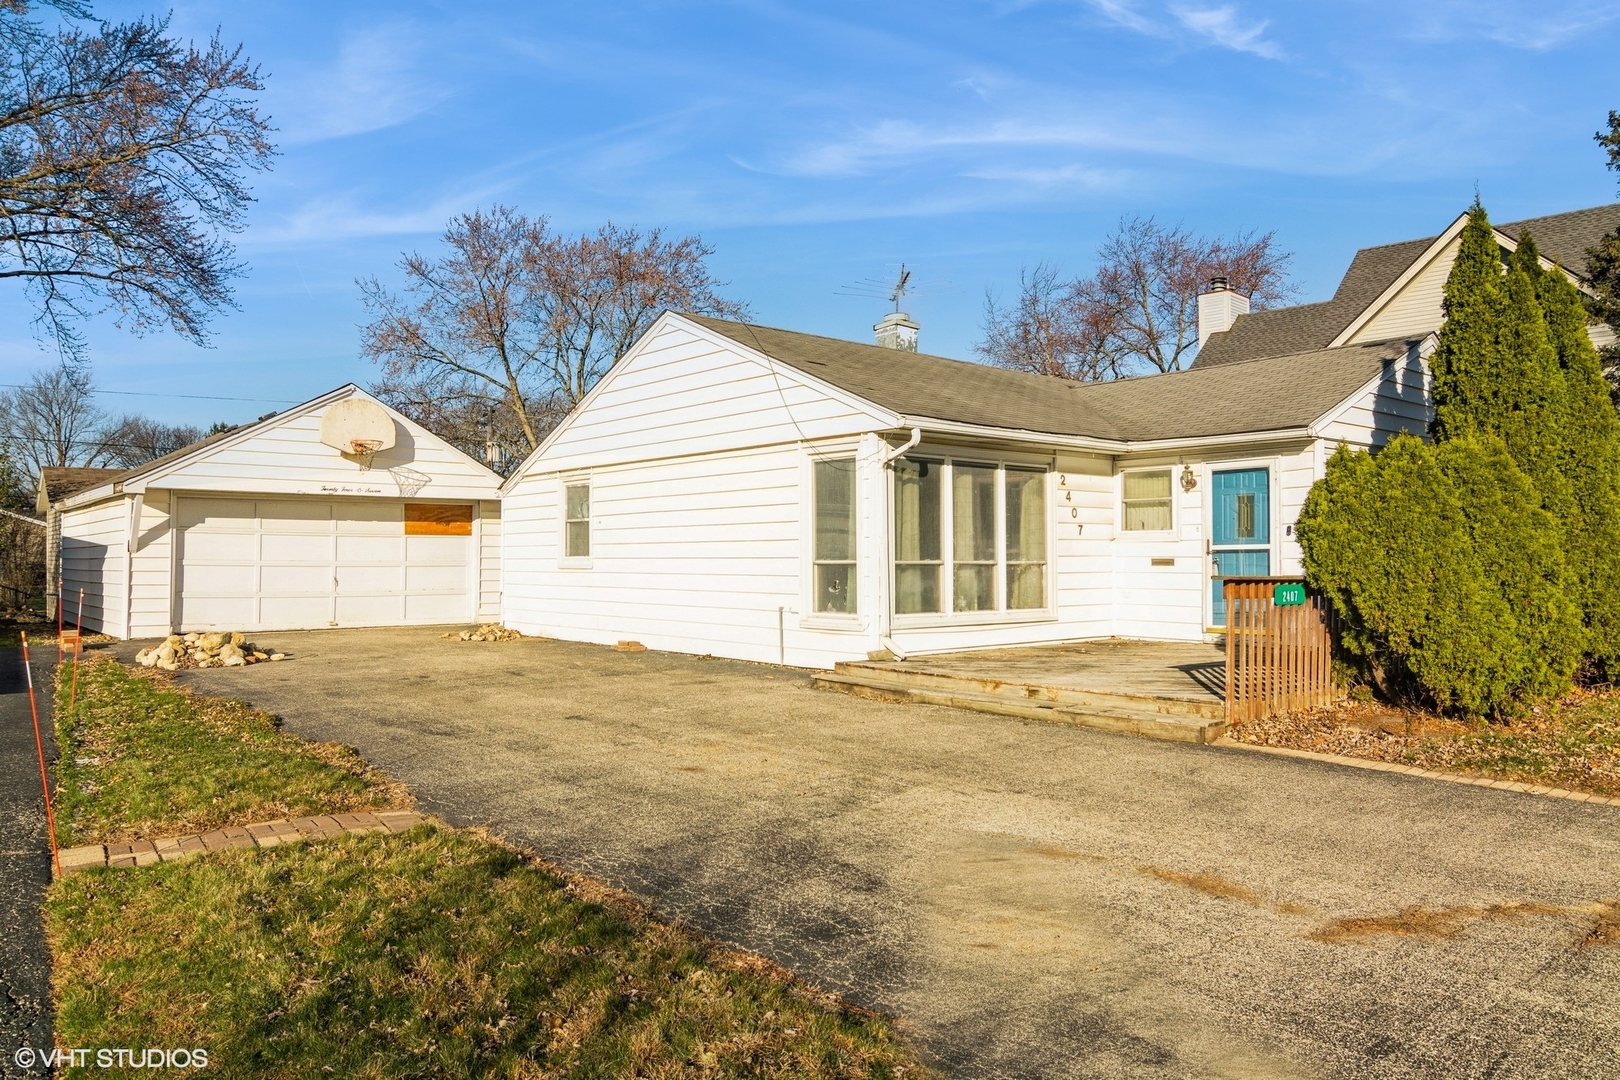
(1279, 657)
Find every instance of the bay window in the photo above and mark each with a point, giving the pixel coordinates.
(982, 550)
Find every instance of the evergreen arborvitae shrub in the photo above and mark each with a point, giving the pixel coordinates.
(1518, 547)
(1590, 452)
(1387, 539)
(1466, 362)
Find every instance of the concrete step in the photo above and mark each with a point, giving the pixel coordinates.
(919, 676)
(1152, 725)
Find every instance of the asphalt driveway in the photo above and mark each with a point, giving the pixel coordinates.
(1033, 900)
(25, 862)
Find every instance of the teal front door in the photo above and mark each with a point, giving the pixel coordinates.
(1240, 531)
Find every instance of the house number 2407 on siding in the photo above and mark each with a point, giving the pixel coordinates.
(1068, 502)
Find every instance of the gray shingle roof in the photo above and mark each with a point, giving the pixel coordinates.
(56, 484)
(1304, 327)
(1561, 237)
(916, 384)
(1273, 393)
(1269, 394)
(1564, 238)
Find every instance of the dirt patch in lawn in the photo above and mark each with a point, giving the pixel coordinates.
(1573, 743)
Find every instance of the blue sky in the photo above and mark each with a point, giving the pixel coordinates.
(817, 145)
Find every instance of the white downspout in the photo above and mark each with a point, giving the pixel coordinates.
(885, 610)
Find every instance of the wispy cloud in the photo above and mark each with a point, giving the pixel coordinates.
(1223, 26)
(1546, 26)
(375, 82)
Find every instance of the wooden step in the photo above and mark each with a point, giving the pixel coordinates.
(1152, 725)
(920, 676)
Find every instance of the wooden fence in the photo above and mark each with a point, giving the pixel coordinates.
(1279, 657)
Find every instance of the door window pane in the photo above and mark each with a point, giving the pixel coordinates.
(834, 556)
(578, 499)
(1245, 516)
(917, 536)
(973, 535)
(1147, 501)
(1026, 539)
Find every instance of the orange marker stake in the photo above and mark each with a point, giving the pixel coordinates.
(39, 744)
(58, 620)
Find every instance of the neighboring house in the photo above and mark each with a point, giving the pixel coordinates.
(274, 526)
(55, 485)
(775, 496)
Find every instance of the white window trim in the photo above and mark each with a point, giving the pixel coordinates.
(1119, 505)
(948, 456)
(566, 561)
(809, 617)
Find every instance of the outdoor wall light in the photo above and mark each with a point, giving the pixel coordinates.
(1189, 479)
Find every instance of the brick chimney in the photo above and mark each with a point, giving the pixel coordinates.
(1218, 308)
(897, 331)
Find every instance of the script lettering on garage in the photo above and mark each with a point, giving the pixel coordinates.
(349, 489)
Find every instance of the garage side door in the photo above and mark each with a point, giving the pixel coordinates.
(267, 564)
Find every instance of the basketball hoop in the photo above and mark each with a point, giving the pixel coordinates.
(409, 480)
(364, 450)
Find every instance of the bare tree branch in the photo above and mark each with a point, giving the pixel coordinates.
(122, 157)
(511, 327)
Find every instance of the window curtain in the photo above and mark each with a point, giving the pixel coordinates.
(973, 515)
(1026, 539)
(1147, 501)
(917, 536)
(834, 554)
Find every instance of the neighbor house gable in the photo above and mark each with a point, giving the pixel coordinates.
(283, 454)
(683, 389)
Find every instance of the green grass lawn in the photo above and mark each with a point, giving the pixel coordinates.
(142, 758)
(430, 953)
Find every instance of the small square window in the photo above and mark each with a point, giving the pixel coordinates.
(578, 521)
(1147, 501)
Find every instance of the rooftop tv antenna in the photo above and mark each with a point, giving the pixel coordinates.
(902, 286)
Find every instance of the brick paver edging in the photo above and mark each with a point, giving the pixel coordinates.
(1427, 774)
(264, 834)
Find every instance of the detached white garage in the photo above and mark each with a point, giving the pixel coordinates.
(340, 512)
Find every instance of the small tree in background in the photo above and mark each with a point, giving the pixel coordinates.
(1138, 311)
(506, 330)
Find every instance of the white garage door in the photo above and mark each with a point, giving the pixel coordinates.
(292, 564)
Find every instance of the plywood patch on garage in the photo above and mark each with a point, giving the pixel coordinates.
(438, 519)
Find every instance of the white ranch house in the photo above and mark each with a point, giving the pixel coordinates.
(761, 494)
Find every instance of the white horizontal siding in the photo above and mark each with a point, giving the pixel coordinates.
(1398, 403)
(697, 555)
(679, 394)
(94, 558)
(1415, 310)
(288, 458)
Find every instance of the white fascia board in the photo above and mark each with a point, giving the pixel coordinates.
(1193, 442)
(881, 418)
(984, 431)
(1419, 264)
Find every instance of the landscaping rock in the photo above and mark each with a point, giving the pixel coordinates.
(211, 650)
(487, 632)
